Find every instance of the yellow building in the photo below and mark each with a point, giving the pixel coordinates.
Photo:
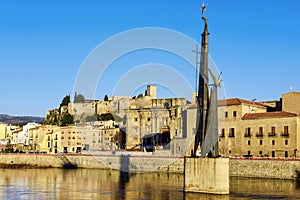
(248, 128)
(46, 139)
(99, 135)
(71, 141)
(3, 131)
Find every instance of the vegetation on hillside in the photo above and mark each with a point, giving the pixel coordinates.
(60, 117)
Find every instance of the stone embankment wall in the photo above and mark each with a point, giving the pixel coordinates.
(117, 162)
(265, 168)
(259, 168)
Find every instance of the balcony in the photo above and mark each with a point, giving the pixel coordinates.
(285, 135)
(272, 134)
(259, 135)
(247, 135)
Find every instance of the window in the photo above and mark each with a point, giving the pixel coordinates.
(286, 142)
(249, 142)
(226, 114)
(273, 142)
(248, 132)
(48, 144)
(229, 151)
(260, 142)
(273, 130)
(286, 154)
(231, 132)
(260, 130)
(286, 130)
(149, 119)
(249, 153)
(234, 113)
(135, 119)
(222, 132)
(273, 154)
(260, 152)
(62, 138)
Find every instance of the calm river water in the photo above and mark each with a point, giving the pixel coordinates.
(106, 184)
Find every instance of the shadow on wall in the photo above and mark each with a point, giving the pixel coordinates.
(124, 175)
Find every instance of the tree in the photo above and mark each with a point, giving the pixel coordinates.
(67, 119)
(105, 117)
(78, 98)
(117, 118)
(65, 101)
(91, 118)
(106, 98)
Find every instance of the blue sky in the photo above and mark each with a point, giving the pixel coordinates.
(254, 43)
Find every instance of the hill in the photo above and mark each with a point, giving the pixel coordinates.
(19, 120)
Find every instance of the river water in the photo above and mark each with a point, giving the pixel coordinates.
(108, 184)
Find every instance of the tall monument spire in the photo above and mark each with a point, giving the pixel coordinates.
(206, 117)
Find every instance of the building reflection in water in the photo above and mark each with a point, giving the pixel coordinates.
(111, 184)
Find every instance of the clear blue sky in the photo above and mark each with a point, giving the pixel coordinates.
(255, 43)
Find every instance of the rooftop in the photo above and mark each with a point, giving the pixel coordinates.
(267, 115)
(231, 102)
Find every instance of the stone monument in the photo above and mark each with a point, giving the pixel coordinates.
(207, 172)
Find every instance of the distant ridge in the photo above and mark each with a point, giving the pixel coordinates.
(19, 120)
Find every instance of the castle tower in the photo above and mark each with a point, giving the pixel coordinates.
(151, 91)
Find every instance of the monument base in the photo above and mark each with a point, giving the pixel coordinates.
(206, 175)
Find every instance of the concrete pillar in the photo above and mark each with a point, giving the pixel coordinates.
(206, 175)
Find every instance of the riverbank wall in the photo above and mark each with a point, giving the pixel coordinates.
(241, 167)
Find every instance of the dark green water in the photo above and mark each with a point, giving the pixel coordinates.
(106, 184)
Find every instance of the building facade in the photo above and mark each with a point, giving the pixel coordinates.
(248, 128)
(149, 115)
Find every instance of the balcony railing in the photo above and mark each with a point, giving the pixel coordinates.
(285, 135)
(259, 135)
(272, 134)
(247, 135)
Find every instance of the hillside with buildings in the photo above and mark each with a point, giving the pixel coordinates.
(166, 126)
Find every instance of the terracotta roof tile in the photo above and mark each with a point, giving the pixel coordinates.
(231, 102)
(238, 101)
(268, 115)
